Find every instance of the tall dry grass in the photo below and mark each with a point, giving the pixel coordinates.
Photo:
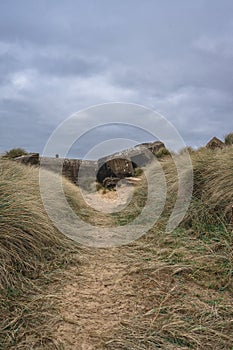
(213, 186)
(30, 249)
(212, 196)
(184, 279)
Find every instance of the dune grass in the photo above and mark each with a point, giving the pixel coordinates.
(30, 249)
(185, 277)
(182, 279)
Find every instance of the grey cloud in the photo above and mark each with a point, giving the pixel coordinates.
(66, 65)
(59, 57)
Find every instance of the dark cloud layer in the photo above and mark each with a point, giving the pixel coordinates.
(57, 57)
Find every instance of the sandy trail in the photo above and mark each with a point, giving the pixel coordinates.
(96, 299)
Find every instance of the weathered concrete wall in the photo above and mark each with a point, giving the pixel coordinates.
(70, 167)
(154, 147)
(118, 165)
(123, 164)
(29, 159)
(215, 143)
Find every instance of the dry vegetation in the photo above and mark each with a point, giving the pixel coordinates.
(30, 248)
(165, 291)
(184, 279)
(14, 153)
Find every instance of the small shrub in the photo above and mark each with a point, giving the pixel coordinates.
(188, 149)
(14, 153)
(138, 171)
(229, 139)
(162, 152)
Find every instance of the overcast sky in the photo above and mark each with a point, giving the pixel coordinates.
(57, 57)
